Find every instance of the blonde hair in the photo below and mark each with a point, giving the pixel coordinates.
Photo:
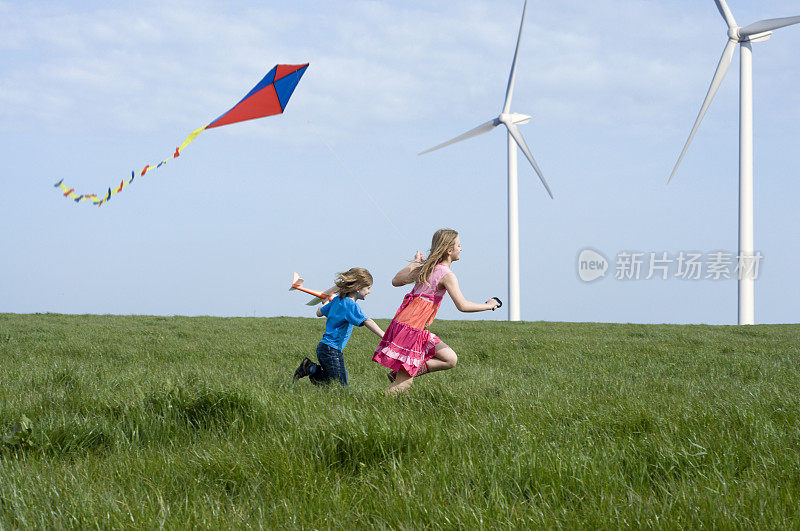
(443, 241)
(352, 280)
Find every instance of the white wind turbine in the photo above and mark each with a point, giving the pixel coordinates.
(510, 120)
(744, 36)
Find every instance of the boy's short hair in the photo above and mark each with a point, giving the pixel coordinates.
(352, 280)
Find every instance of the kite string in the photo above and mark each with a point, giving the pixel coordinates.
(364, 188)
(352, 175)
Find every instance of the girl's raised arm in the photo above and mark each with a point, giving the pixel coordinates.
(450, 283)
(406, 275)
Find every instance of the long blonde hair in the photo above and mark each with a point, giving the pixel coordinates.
(443, 241)
(352, 280)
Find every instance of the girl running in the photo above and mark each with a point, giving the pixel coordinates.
(342, 315)
(407, 347)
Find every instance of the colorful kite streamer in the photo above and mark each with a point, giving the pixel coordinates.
(267, 98)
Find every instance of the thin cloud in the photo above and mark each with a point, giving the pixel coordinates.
(138, 66)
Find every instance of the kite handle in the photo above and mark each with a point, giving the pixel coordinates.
(499, 303)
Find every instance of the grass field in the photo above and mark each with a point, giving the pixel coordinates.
(174, 422)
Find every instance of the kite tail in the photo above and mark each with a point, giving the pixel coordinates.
(78, 198)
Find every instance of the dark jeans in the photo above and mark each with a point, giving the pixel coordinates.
(330, 366)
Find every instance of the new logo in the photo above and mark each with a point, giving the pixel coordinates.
(591, 265)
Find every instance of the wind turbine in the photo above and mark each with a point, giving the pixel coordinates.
(744, 36)
(510, 120)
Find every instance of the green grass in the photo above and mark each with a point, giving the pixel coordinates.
(176, 422)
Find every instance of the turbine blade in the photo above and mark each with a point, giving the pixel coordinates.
(726, 13)
(767, 25)
(483, 128)
(512, 75)
(719, 75)
(514, 132)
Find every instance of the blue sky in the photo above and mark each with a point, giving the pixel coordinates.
(92, 90)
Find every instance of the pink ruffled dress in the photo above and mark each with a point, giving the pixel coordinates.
(407, 343)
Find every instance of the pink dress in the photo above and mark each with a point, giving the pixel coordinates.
(407, 343)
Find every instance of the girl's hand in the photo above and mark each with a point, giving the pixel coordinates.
(450, 283)
(406, 275)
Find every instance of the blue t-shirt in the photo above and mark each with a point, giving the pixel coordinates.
(343, 314)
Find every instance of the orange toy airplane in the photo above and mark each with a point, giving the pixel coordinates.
(319, 296)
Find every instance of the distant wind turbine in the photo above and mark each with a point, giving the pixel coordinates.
(510, 120)
(744, 36)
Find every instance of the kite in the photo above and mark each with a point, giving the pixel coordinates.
(269, 97)
(319, 296)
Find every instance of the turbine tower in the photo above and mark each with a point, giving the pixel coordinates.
(510, 120)
(744, 37)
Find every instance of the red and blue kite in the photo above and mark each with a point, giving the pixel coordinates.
(270, 96)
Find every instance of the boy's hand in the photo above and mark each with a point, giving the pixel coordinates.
(373, 327)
